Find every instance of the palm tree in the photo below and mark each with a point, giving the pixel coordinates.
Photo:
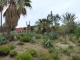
(68, 20)
(43, 24)
(50, 18)
(56, 19)
(13, 12)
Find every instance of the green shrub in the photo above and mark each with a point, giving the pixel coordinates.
(70, 47)
(47, 43)
(4, 34)
(25, 39)
(31, 51)
(38, 36)
(53, 35)
(70, 37)
(12, 46)
(2, 39)
(43, 56)
(55, 56)
(13, 53)
(51, 50)
(25, 34)
(75, 58)
(24, 56)
(22, 34)
(77, 32)
(4, 50)
(66, 52)
(14, 33)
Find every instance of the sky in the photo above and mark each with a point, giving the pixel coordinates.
(41, 8)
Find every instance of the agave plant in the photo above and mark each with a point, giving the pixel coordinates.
(47, 43)
(2, 39)
(53, 35)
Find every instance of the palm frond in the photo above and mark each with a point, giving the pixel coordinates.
(24, 11)
(28, 5)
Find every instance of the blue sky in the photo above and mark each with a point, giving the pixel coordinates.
(41, 8)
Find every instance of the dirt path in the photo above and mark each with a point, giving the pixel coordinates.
(64, 45)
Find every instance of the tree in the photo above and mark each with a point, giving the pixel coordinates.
(44, 25)
(77, 30)
(50, 17)
(54, 19)
(68, 20)
(13, 12)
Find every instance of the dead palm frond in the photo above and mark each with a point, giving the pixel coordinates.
(11, 15)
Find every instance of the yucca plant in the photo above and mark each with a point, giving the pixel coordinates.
(47, 43)
(53, 35)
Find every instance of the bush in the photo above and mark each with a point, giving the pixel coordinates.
(55, 56)
(4, 50)
(77, 32)
(24, 56)
(22, 34)
(13, 53)
(75, 58)
(43, 56)
(66, 52)
(14, 33)
(25, 39)
(38, 36)
(70, 37)
(53, 35)
(31, 51)
(12, 46)
(70, 47)
(4, 34)
(2, 39)
(47, 43)
(51, 50)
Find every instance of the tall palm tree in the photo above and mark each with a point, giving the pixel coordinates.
(68, 20)
(13, 12)
(56, 19)
(50, 18)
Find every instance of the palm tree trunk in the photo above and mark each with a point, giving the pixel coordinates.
(1, 18)
(8, 32)
(1, 21)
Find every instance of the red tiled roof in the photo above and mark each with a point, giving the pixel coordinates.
(19, 29)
